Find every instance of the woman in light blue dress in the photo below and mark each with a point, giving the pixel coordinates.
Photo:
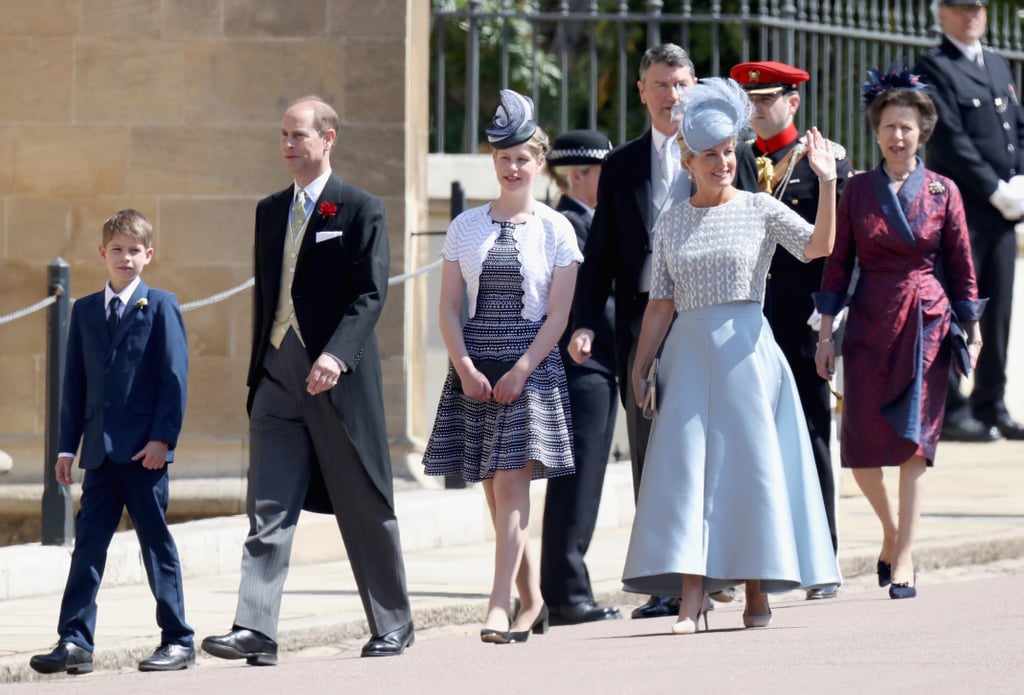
(729, 491)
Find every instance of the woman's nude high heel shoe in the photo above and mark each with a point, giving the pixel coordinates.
(757, 620)
(690, 626)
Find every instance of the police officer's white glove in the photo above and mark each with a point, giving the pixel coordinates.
(1009, 205)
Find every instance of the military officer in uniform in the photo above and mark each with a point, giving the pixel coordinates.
(783, 171)
(979, 144)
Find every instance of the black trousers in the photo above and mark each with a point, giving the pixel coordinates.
(817, 406)
(571, 505)
(995, 256)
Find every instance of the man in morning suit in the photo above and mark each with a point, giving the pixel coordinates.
(783, 172)
(979, 144)
(316, 409)
(637, 181)
(123, 399)
(571, 501)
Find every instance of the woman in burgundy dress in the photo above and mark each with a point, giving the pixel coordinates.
(904, 225)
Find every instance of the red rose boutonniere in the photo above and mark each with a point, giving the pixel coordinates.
(327, 209)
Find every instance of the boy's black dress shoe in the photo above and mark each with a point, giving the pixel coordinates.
(657, 607)
(1007, 426)
(256, 648)
(169, 657)
(583, 612)
(391, 644)
(66, 656)
(968, 430)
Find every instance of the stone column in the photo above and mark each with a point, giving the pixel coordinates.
(383, 147)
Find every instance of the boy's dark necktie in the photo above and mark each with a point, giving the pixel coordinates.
(112, 320)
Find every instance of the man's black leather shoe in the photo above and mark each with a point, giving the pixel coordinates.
(657, 607)
(256, 648)
(169, 657)
(1007, 426)
(390, 644)
(66, 656)
(583, 612)
(968, 430)
(830, 591)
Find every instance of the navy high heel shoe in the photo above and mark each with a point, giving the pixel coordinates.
(903, 589)
(884, 573)
(539, 627)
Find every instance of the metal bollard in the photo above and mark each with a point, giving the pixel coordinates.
(58, 512)
(455, 207)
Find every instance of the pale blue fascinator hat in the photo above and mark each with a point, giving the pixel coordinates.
(714, 110)
(514, 121)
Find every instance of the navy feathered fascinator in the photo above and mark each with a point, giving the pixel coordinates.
(514, 121)
(896, 77)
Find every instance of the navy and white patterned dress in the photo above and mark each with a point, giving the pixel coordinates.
(507, 268)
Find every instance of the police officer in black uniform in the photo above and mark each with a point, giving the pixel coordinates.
(979, 144)
(784, 172)
(570, 509)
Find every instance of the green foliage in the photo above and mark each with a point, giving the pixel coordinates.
(534, 50)
(531, 70)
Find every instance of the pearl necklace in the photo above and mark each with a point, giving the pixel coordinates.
(897, 178)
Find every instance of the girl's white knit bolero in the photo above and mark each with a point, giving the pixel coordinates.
(545, 241)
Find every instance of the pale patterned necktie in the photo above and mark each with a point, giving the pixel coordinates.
(667, 170)
(298, 214)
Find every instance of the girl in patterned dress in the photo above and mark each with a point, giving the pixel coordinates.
(515, 261)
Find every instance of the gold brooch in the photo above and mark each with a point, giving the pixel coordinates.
(935, 187)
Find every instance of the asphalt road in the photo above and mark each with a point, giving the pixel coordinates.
(962, 634)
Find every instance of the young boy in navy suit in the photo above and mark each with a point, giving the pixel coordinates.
(123, 400)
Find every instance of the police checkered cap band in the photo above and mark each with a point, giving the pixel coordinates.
(577, 153)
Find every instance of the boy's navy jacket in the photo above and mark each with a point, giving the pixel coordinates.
(123, 391)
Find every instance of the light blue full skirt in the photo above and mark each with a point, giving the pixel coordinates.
(729, 488)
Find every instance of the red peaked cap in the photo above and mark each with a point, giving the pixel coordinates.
(768, 77)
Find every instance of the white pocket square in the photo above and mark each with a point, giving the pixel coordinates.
(326, 236)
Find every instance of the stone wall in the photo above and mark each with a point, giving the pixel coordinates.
(173, 107)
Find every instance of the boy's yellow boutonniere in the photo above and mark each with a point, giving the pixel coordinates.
(936, 188)
(141, 303)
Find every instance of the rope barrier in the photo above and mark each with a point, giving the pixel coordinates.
(41, 304)
(212, 299)
(219, 297)
(399, 279)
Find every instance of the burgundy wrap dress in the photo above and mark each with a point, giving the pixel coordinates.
(896, 355)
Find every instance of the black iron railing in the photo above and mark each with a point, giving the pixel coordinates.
(578, 58)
